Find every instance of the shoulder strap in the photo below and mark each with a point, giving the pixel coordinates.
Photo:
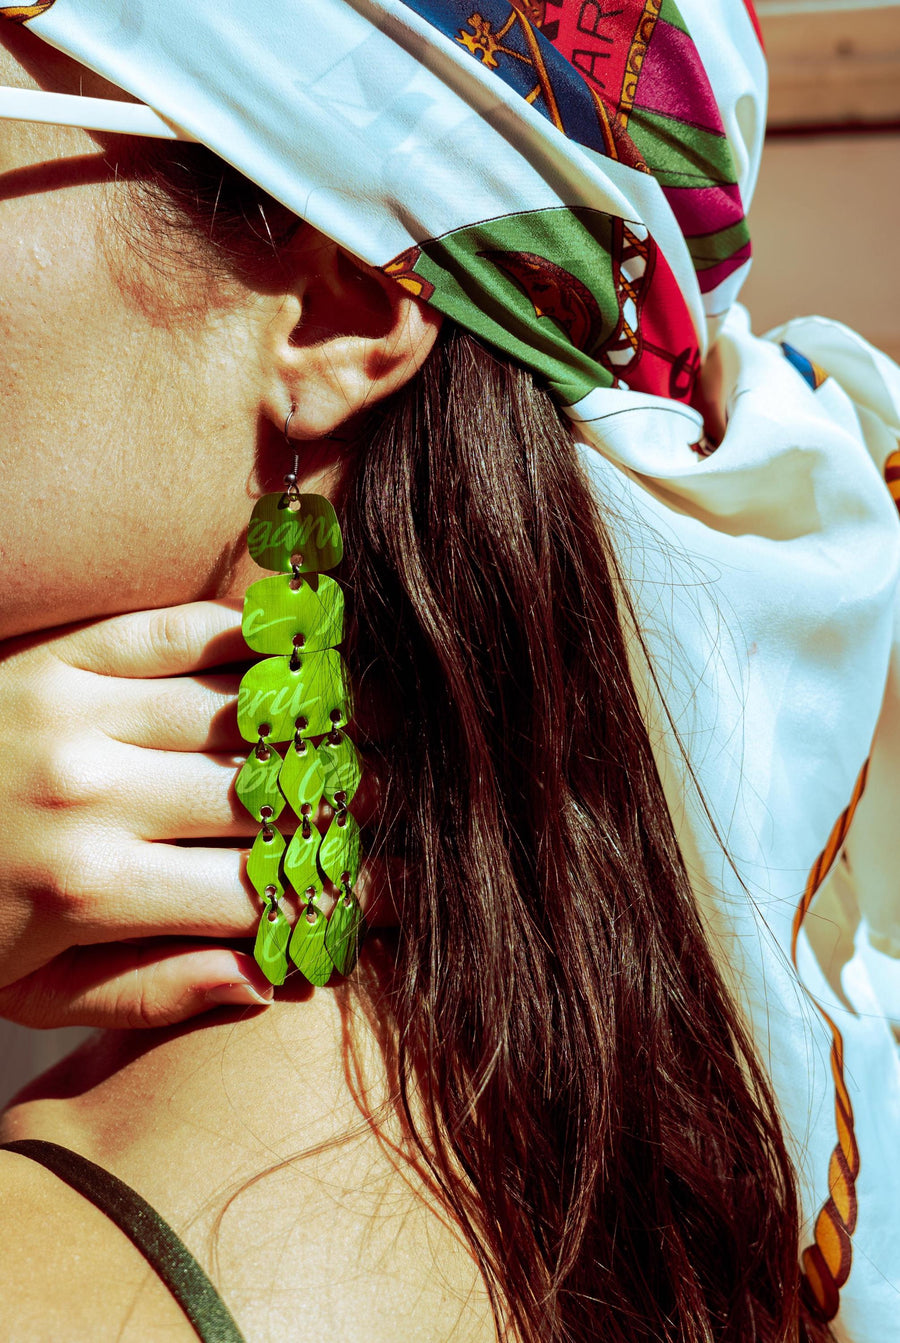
(164, 1251)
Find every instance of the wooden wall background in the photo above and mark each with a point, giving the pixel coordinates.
(825, 212)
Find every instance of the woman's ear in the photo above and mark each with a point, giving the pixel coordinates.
(343, 337)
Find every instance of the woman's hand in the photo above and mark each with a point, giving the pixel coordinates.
(112, 748)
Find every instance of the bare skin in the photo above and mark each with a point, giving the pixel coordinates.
(134, 450)
(347, 1243)
(137, 437)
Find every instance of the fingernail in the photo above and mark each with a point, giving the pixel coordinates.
(240, 994)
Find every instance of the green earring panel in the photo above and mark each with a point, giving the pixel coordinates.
(270, 948)
(342, 768)
(345, 933)
(264, 863)
(257, 785)
(301, 779)
(298, 691)
(281, 614)
(307, 947)
(300, 865)
(309, 536)
(327, 692)
(274, 694)
(339, 851)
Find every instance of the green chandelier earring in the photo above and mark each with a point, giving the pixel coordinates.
(299, 694)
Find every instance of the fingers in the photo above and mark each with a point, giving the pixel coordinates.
(172, 890)
(167, 642)
(134, 985)
(196, 713)
(164, 890)
(165, 795)
(184, 795)
(120, 892)
(97, 789)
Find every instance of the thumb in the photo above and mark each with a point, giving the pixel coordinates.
(134, 984)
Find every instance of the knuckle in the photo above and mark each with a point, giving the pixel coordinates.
(32, 694)
(67, 776)
(73, 879)
(216, 801)
(168, 632)
(142, 1001)
(134, 1007)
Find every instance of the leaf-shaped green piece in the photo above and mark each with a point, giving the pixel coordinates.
(257, 784)
(264, 863)
(276, 614)
(277, 533)
(301, 780)
(307, 948)
(326, 691)
(339, 852)
(342, 767)
(345, 933)
(300, 861)
(273, 694)
(270, 948)
(270, 695)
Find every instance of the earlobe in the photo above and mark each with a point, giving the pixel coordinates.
(345, 338)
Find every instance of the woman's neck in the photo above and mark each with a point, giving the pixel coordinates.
(261, 1135)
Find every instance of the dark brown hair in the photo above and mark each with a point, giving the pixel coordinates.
(594, 1115)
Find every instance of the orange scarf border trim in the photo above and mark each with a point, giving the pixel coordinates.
(826, 1263)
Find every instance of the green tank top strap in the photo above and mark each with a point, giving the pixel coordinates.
(161, 1247)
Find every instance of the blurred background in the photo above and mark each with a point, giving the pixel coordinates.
(823, 220)
(824, 216)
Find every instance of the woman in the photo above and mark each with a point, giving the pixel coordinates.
(535, 1110)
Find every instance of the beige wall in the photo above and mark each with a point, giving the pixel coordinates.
(825, 212)
(824, 227)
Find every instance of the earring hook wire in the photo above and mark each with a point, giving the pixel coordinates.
(292, 480)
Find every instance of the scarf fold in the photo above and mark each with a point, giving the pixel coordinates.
(566, 180)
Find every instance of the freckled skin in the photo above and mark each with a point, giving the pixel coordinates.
(132, 450)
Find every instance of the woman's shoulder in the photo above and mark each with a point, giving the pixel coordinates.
(67, 1272)
(286, 1184)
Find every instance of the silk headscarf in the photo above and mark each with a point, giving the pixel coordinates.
(568, 179)
(560, 178)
